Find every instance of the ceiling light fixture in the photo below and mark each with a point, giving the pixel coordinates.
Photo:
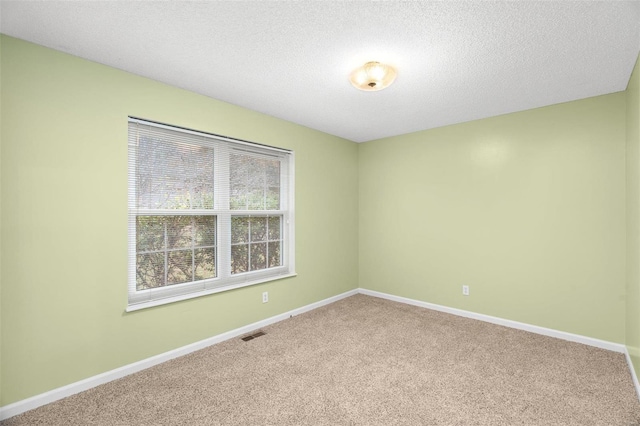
(372, 76)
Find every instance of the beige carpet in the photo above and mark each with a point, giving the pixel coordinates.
(368, 361)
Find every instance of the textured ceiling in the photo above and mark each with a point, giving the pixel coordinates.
(456, 61)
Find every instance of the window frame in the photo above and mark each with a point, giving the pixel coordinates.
(224, 280)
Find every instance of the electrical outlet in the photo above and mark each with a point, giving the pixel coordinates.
(265, 297)
(465, 290)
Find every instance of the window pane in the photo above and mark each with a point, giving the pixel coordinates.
(254, 183)
(273, 186)
(238, 198)
(180, 267)
(258, 229)
(205, 262)
(274, 227)
(273, 198)
(164, 234)
(149, 270)
(179, 231)
(255, 199)
(239, 229)
(258, 256)
(205, 229)
(238, 181)
(273, 173)
(275, 258)
(149, 233)
(256, 171)
(239, 258)
(173, 175)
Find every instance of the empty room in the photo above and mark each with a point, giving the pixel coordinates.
(319, 212)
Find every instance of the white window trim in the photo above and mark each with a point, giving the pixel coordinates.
(193, 295)
(223, 281)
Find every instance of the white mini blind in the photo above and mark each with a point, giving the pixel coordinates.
(206, 213)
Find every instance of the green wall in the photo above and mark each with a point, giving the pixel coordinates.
(528, 209)
(64, 220)
(0, 224)
(633, 219)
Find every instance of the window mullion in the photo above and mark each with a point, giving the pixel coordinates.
(193, 249)
(166, 253)
(249, 247)
(266, 238)
(222, 189)
(285, 225)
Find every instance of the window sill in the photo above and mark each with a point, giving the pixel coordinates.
(159, 302)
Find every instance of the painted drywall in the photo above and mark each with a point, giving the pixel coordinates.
(64, 220)
(632, 330)
(528, 209)
(0, 224)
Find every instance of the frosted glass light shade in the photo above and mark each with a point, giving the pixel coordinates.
(372, 76)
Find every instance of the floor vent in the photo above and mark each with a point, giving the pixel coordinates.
(253, 336)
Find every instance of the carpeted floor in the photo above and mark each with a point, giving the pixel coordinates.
(367, 361)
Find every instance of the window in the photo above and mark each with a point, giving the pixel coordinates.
(206, 213)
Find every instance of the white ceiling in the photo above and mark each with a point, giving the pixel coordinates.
(456, 61)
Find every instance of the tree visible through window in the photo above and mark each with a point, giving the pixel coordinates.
(174, 250)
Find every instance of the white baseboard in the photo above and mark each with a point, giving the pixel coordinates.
(91, 382)
(636, 384)
(603, 344)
